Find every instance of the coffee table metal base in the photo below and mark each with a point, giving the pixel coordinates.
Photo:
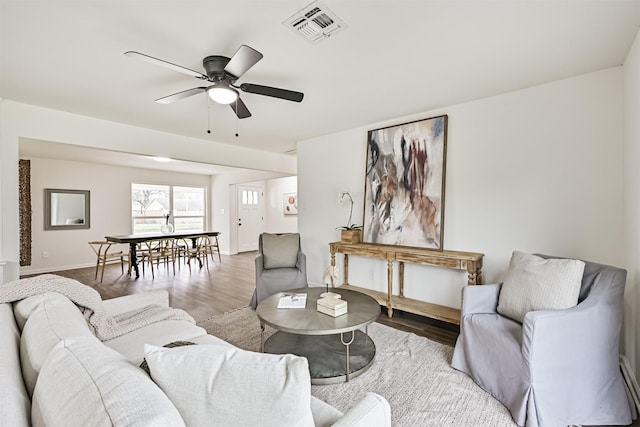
(327, 354)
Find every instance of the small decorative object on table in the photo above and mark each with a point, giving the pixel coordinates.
(293, 301)
(332, 306)
(351, 232)
(166, 227)
(330, 278)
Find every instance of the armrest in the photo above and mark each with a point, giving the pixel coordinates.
(302, 262)
(259, 264)
(115, 306)
(580, 345)
(480, 299)
(373, 410)
(568, 332)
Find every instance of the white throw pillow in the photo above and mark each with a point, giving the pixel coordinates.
(213, 385)
(280, 250)
(535, 283)
(85, 383)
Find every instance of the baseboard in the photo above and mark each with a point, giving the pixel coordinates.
(632, 385)
(32, 272)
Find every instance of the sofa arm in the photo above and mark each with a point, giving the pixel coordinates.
(373, 410)
(115, 306)
(478, 299)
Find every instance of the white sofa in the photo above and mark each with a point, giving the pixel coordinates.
(54, 371)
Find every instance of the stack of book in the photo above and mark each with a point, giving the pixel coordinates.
(332, 306)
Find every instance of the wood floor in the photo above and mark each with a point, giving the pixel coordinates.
(225, 286)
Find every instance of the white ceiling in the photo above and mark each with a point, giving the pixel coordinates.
(396, 58)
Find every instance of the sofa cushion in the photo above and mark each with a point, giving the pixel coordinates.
(534, 283)
(54, 319)
(280, 250)
(84, 383)
(131, 345)
(217, 385)
(15, 407)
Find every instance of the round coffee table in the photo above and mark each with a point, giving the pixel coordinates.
(334, 346)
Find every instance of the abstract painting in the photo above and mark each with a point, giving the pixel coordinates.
(404, 184)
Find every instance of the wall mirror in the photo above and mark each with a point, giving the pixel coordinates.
(66, 209)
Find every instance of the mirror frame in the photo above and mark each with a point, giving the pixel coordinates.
(48, 193)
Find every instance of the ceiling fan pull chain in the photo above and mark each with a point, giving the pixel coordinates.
(237, 118)
(208, 116)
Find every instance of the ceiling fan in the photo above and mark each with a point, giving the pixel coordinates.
(222, 73)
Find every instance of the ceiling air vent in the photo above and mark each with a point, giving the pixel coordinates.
(315, 22)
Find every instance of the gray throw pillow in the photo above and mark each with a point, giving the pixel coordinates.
(280, 251)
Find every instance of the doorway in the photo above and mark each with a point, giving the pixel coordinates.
(249, 200)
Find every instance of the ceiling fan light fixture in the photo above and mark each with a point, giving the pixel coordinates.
(222, 94)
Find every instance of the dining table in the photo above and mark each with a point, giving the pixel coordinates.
(133, 239)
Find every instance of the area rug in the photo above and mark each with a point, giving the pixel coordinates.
(413, 373)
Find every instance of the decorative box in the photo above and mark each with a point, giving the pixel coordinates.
(332, 306)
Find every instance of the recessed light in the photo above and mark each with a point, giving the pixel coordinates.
(161, 159)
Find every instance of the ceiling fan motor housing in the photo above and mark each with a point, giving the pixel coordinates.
(214, 66)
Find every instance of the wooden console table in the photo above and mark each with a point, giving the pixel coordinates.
(469, 261)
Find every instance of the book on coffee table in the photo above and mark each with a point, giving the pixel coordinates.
(293, 301)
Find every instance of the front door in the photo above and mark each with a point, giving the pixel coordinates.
(249, 217)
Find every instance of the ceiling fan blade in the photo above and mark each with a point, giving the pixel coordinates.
(181, 95)
(289, 95)
(244, 58)
(240, 109)
(163, 63)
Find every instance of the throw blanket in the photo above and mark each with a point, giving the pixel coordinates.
(90, 304)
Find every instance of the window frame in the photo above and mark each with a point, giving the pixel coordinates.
(171, 209)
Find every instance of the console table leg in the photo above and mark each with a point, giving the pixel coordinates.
(346, 269)
(347, 344)
(261, 337)
(389, 287)
(401, 274)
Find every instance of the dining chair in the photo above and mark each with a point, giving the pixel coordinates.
(212, 247)
(194, 248)
(165, 251)
(154, 251)
(103, 256)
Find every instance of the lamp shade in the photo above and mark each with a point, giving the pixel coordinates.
(222, 94)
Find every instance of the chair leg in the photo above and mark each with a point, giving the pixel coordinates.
(104, 264)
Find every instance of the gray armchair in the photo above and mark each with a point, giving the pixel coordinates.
(280, 265)
(558, 367)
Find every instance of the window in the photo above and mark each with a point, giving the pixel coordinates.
(249, 197)
(150, 205)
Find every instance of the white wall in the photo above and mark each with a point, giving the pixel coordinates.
(631, 77)
(225, 205)
(275, 219)
(110, 188)
(537, 170)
